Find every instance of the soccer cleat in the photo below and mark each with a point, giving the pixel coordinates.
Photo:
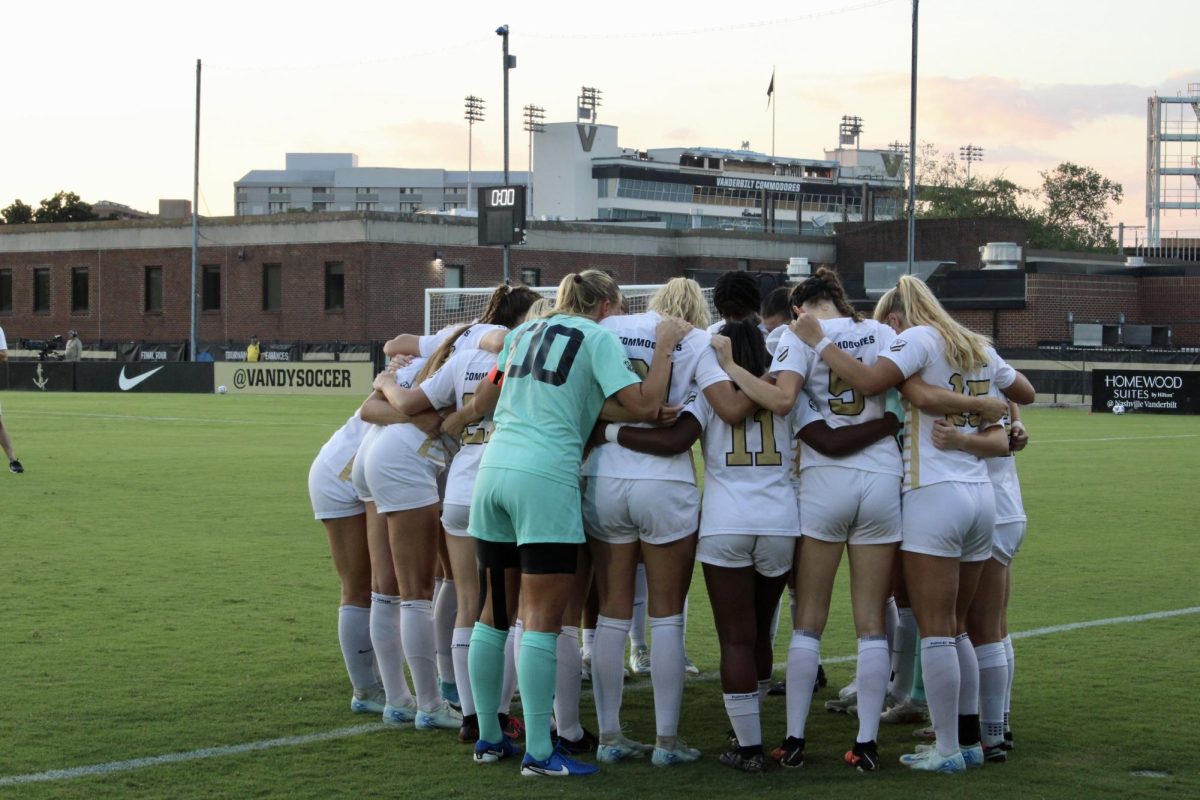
(639, 661)
(442, 717)
(843, 702)
(779, 689)
(925, 733)
(558, 765)
(690, 667)
(584, 744)
(469, 732)
(933, 761)
(15, 466)
(973, 755)
(488, 753)
(864, 756)
(906, 712)
(679, 754)
(585, 667)
(790, 754)
(399, 716)
(1008, 737)
(995, 754)
(368, 701)
(745, 759)
(620, 748)
(822, 681)
(449, 693)
(513, 727)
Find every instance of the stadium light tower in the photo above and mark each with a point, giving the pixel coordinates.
(588, 101)
(472, 113)
(535, 117)
(970, 153)
(850, 130)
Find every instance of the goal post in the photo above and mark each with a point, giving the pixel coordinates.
(459, 306)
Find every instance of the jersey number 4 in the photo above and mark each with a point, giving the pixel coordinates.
(768, 456)
(542, 339)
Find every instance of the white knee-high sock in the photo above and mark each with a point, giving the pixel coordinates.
(608, 673)
(416, 631)
(589, 639)
(804, 656)
(509, 687)
(667, 672)
(1011, 657)
(389, 649)
(764, 687)
(460, 644)
(354, 636)
(891, 621)
(873, 669)
(445, 609)
(993, 680)
(939, 666)
(568, 683)
(637, 631)
(743, 711)
(968, 668)
(904, 654)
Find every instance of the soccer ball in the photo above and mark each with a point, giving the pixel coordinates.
(1117, 409)
(222, 390)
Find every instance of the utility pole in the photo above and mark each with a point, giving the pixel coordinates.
(195, 326)
(509, 62)
(912, 146)
(535, 116)
(473, 112)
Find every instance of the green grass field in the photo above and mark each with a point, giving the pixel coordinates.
(164, 589)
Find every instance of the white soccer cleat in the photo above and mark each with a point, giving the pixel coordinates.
(906, 712)
(619, 748)
(689, 666)
(443, 717)
(932, 761)
(368, 701)
(400, 716)
(639, 661)
(679, 754)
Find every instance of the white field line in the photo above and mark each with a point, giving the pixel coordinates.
(1033, 441)
(357, 730)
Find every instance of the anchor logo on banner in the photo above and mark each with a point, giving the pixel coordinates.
(41, 380)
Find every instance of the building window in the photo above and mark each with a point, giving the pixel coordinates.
(79, 289)
(5, 291)
(743, 264)
(364, 206)
(335, 286)
(153, 290)
(276, 208)
(320, 189)
(41, 289)
(531, 276)
(272, 287)
(210, 289)
(320, 206)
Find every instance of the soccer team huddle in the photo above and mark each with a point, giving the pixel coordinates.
(503, 471)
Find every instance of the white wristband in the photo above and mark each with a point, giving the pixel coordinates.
(610, 432)
(821, 345)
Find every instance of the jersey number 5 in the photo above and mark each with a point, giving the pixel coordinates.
(768, 456)
(843, 407)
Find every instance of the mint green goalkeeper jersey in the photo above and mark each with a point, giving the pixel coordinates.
(557, 373)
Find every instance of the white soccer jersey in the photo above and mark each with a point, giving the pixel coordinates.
(746, 474)
(838, 404)
(695, 367)
(468, 341)
(453, 385)
(919, 351)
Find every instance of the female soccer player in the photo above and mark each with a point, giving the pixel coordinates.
(948, 509)
(526, 509)
(638, 506)
(453, 386)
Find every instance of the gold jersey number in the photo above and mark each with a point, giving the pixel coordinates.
(768, 456)
(474, 433)
(973, 389)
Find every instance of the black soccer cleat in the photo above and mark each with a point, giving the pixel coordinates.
(15, 466)
(790, 754)
(584, 744)
(864, 756)
(745, 759)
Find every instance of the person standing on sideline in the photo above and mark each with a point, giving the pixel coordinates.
(5, 441)
(74, 348)
(253, 350)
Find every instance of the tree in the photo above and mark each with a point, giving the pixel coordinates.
(64, 207)
(1076, 215)
(17, 214)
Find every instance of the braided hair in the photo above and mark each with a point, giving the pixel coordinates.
(736, 295)
(824, 284)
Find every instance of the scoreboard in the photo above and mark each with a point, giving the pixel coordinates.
(501, 215)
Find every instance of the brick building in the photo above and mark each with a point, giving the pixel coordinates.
(359, 277)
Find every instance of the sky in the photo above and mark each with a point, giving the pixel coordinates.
(100, 98)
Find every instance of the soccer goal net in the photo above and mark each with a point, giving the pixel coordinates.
(458, 306)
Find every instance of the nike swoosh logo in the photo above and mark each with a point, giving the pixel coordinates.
(361, 652)
(128, 383)
(544, 771)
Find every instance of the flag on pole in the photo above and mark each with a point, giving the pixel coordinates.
(771, 88)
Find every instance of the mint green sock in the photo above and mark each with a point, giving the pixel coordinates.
(485, 664)
(537, 667)
(918, 690)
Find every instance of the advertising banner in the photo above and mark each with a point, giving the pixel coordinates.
(41, 376)
(321, 378)
(1146, 391)
(172, 377)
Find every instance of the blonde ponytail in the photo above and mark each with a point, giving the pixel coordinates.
(681, 297)
(965, 350)
(581, 293)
